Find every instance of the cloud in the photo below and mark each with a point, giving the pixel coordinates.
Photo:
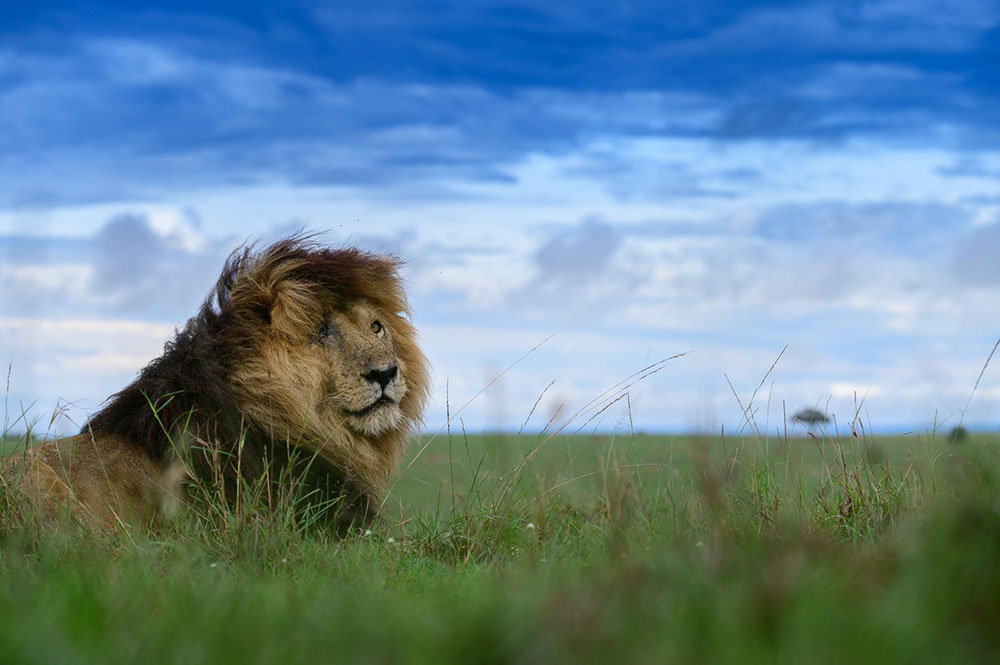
(81, 361)
(782, 115)
(572, 266)
(886, 227)
(581, 253)
(874, 27)
(620, 292)
(40, 249)
(975, 260)
(155, 120)
(967, 166)
(630, 177)
(786, 270)
(127, 253)
(115, 106)
(127, 267)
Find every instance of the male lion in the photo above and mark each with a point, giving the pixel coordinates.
(302, 359)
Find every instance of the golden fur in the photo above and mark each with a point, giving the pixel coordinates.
(300, 352)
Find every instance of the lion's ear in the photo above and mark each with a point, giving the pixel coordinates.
(287, 305)
(294, 308)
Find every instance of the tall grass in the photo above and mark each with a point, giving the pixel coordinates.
(572, 545)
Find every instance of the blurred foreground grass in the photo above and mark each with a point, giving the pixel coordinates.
(621, 548)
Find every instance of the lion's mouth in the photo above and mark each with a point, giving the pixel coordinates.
(379, 403)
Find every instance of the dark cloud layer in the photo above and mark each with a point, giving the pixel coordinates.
(120, 103)
(616, 46)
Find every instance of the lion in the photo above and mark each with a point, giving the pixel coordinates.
(302, 359)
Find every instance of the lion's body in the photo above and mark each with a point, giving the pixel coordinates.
(92, 478)
(301, 355)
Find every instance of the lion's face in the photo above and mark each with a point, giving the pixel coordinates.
(323, 354)
(367, 378)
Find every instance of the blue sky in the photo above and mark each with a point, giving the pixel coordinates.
(640, 179)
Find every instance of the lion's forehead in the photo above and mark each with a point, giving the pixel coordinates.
(356, 317)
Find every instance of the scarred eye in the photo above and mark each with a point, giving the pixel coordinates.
(377, 327)
(325, 330)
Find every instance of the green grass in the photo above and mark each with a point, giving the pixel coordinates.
(569, 549)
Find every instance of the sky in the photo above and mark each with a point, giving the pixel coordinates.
(579, 190)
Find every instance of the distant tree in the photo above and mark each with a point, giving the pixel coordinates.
(958, 434)
(810, 417)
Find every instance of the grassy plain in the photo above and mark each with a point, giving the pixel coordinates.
(529, 549)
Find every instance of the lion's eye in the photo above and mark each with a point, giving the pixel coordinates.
(377, 327)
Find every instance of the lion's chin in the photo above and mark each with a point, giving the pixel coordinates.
(378, 421)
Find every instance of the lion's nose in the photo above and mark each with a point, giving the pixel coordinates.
(382, 376)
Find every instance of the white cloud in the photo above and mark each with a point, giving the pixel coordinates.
(177, 226)
(846, 389)
(67, 278)
(76, 361)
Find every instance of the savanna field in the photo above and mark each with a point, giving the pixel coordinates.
(307, 231)
(837, 547)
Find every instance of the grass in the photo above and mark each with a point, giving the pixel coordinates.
(626, 548)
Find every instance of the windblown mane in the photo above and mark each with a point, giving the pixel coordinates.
(272, 292)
